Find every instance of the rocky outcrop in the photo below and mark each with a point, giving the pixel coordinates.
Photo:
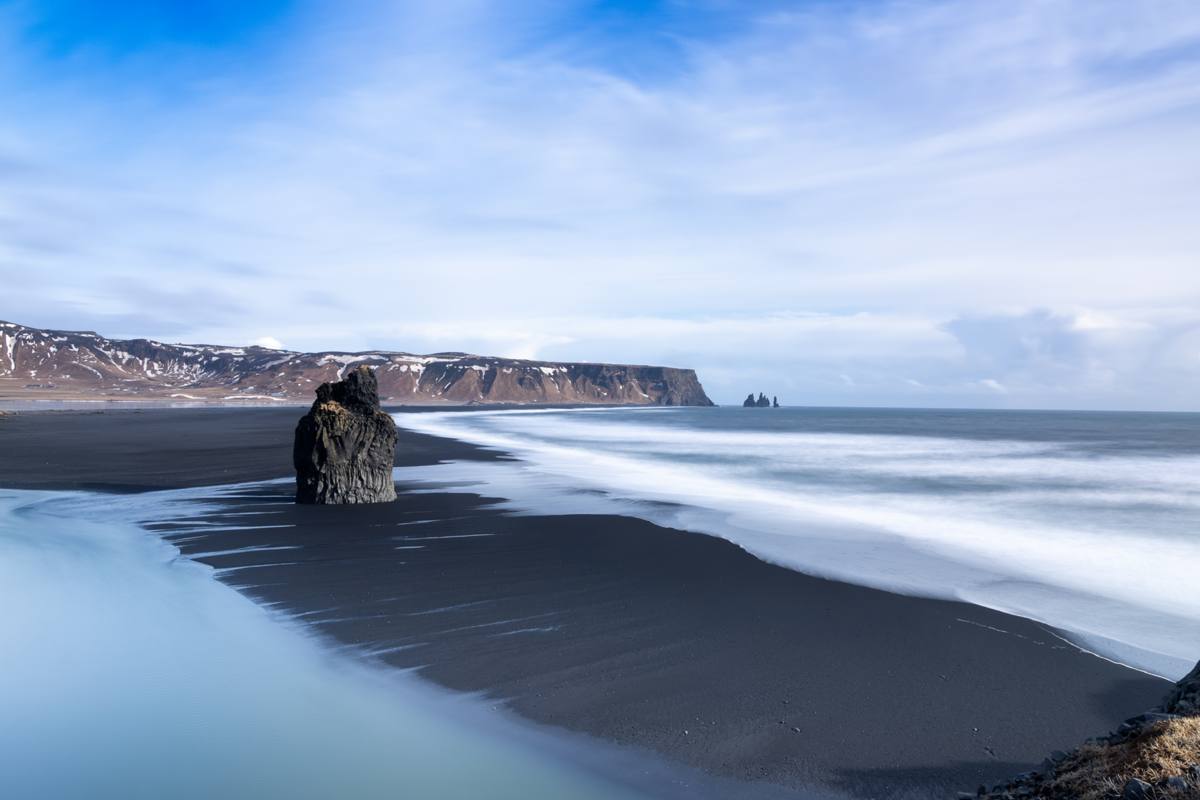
(346, 444)
(49, 364)
(1153, 756)
(761, 402)
(1184, 699)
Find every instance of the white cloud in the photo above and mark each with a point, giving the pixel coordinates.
(269, 342)
(1090, 320)
(889, 192)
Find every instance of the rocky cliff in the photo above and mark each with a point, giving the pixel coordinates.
(346, 444)
(37, 363)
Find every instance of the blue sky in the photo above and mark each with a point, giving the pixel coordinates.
(948, 202)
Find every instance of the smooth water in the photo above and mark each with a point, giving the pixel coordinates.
(128, 672)
(1087, 521)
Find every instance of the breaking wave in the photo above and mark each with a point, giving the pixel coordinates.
(1089, 523)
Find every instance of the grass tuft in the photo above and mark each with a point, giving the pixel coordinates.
(1161, 750)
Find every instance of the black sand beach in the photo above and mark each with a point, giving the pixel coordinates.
(142, 449)
(675, 642)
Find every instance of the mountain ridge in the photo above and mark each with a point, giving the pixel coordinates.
(37, 363)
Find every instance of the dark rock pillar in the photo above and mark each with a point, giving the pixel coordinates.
(346, 444)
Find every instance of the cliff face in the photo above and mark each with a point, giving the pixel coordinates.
(38, 363)
(472, 379)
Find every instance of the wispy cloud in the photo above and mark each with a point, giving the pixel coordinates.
(887, 191)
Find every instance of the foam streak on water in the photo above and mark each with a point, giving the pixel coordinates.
(1089, 522)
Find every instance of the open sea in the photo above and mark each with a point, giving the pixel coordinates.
(1086, 521)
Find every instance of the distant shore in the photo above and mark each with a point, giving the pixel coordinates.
(13, 403)
(675, 642)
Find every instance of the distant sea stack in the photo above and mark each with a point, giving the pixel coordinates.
(345, 445)
(761, 402)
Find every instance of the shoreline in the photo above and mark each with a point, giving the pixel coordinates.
(670, 641)
(37, 405)
(235, 667)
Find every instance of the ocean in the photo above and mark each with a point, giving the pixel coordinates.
(1086, 521)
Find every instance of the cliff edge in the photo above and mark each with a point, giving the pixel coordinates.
(54, 365)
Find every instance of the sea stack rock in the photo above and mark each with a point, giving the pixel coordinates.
(761, 402)
(345, 445)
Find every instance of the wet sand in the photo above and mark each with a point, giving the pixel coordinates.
(674, 642)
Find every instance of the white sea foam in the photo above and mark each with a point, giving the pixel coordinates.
(1105, 548)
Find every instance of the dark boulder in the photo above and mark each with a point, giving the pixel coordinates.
(749, 401)
(346, 444)
(1176, 783)
(1137, 790)
(774, 402)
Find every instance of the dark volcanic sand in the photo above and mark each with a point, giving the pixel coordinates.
(672, 641)
(168, 448)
